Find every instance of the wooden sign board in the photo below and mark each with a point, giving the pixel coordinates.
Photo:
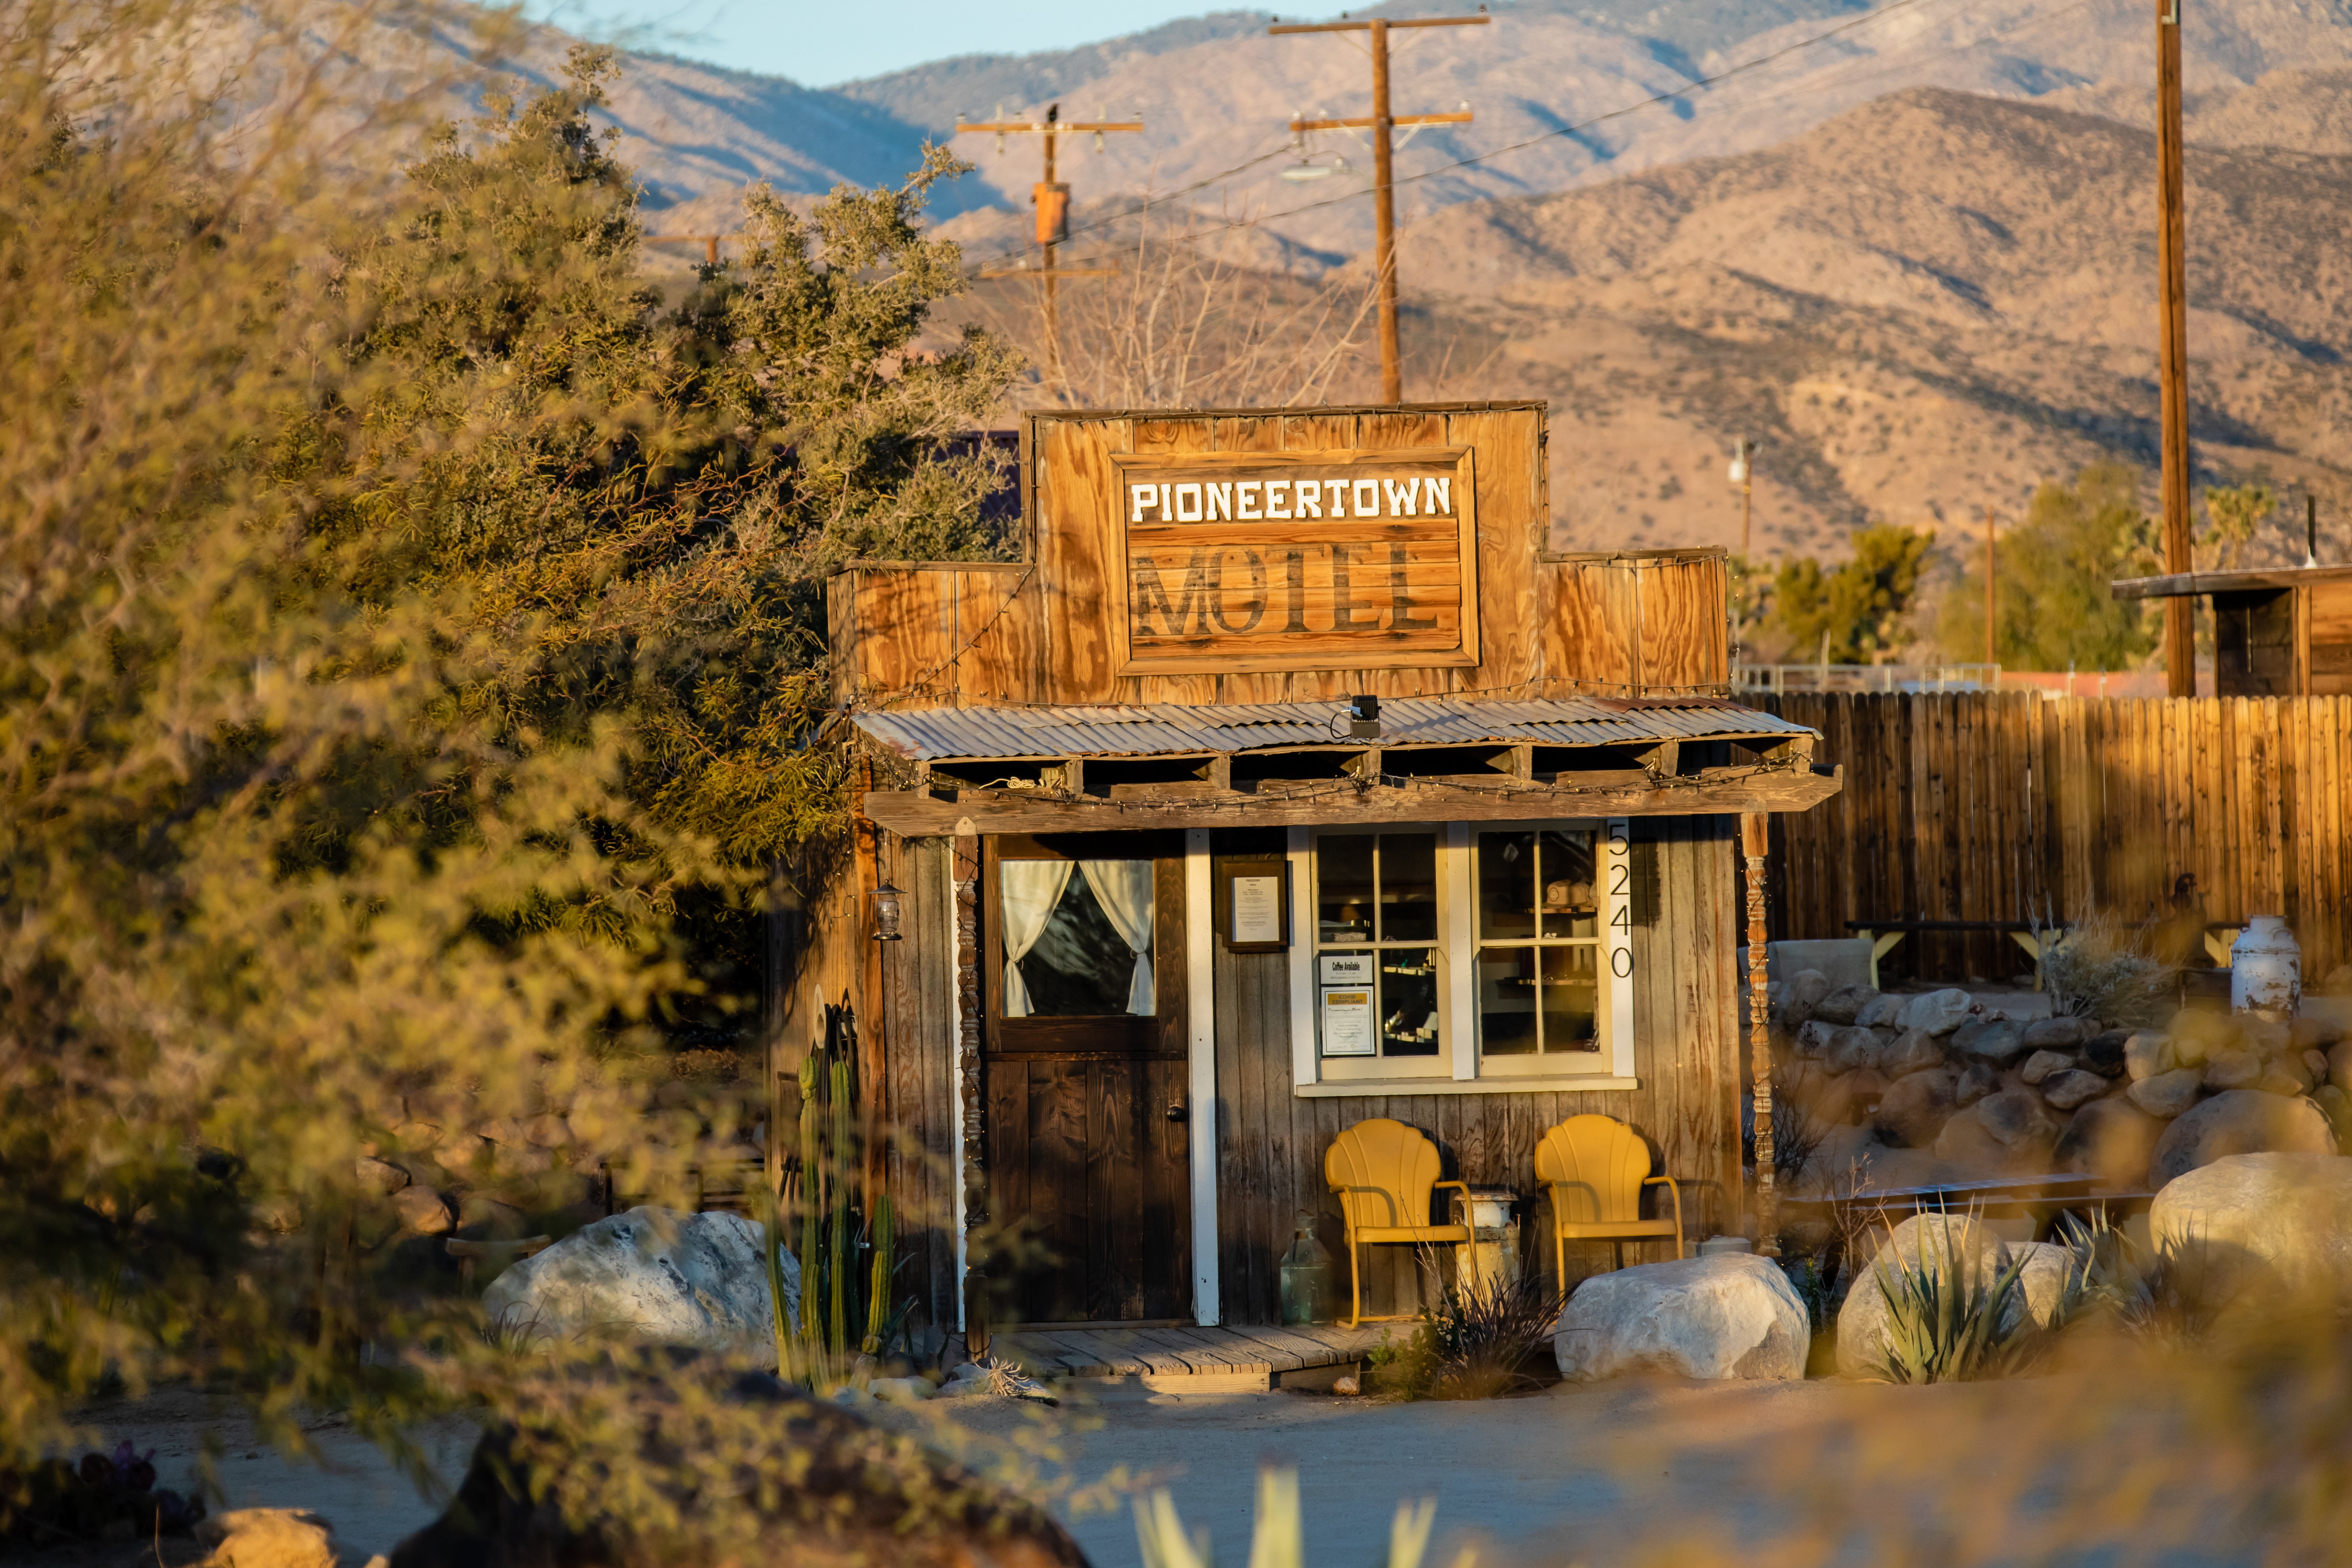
(1311, 559)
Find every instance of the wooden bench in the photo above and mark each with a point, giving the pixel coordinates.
(1883, 935)
(2045, 1197)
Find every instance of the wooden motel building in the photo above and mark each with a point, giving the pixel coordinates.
(1285, 780)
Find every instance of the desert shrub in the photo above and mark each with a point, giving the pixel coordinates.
(1485, 1337)
(2102, 969)
(1946, 1320)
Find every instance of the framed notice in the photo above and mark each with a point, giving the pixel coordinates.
(1252, 905)
(1348, 559)
(1349, 1028)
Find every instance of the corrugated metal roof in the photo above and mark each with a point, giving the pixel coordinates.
(1167, 728)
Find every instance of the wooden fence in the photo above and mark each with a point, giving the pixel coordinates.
(1978, 807)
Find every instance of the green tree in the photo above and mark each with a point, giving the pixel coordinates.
(1848, 613)
(2234, 516)
(2053, 608)
(401, 614)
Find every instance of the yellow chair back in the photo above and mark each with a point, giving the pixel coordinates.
(1600, 1163)
(1397, 1163)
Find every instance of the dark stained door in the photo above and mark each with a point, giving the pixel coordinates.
(1086, 1078)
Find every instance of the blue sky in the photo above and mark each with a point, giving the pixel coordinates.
(819, 42)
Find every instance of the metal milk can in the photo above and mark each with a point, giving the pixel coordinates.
(2265, 969)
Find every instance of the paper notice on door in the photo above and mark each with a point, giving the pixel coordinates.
(1349, 1023)
(1257, 909)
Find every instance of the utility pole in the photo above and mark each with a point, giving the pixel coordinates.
(2172, 351)
(1053, 202)
(1990, 657)
(1383, 164)
(1743, 474)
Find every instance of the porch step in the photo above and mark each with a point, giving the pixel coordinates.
(1243, 1359)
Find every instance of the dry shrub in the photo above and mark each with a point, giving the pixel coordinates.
(2102, 969)
(1191, 321)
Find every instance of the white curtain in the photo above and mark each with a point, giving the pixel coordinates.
(1123, 888)
(1028, 890)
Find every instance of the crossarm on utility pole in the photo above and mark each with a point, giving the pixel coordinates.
(1383, 164)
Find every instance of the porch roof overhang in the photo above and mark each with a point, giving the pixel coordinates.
(1366, 789)
(2189, 584)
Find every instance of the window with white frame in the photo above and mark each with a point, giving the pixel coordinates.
(1466, 951)
(1378, 976)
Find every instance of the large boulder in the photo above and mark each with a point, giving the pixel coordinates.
(1996, 1040)
(1852, 1047)
(2041, 1064)
(2278, 1224)
(2103, 1053)
(1730, 1316)
(1813, 1037)
(1933, 1242)
(2232, 1069)
(2242, 1121)
(1798, 995)
(2043, 1278)
(2062, 1033)
(1967, 1143)
(2168, 1093)
(1914, 1051)
(696, 1280)
(2112, 1140)
(1977, 1080)
(716, 1465)
(2065, 1091)
(2017, 1116)
(1936, 1013)
(2147, 1054)
(1914, 1110)
(1882, 1012)
(1844, 1005)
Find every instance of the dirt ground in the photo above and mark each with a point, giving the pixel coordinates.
(1575, 1473)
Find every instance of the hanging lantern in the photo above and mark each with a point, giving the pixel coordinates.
(885, 913)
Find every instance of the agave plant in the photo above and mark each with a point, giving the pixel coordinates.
(1278, 1539)
(1949, 1317)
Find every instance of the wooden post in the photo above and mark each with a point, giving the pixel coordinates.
(1383, 167)
(1384, 217)
(1991, 644)
(972, 1189)
(873, 1004)
(1755, 831)
(1052, 283)
(2172, 351)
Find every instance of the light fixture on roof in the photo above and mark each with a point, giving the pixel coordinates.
(1364, 717)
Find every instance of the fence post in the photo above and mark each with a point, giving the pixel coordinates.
(1754, 829)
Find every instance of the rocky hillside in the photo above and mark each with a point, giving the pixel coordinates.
(1921, 308)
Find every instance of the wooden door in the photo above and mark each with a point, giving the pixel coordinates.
(1085, 1116)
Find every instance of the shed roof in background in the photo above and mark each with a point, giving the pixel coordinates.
(1168, 729)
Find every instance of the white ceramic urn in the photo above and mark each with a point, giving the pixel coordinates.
(2265, 969)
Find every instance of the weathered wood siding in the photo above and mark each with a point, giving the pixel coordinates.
(1039, 630)
(1270, 1143)
(1980, 805)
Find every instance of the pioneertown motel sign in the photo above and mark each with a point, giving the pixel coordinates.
(1296, 561)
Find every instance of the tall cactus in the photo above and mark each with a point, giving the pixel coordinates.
(877, 1296)
(812, 1206)
(837, 1264)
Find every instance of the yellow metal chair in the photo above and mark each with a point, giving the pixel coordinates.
(1384, 1173)
(1595, 1168)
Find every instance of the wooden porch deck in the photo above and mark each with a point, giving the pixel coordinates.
(1219, 1360)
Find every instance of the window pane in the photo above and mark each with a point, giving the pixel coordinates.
(1572, 1000)
(1343, 880)
(1079, 966)
(1408, 886)
(1506, 1001)
(1506, 884)
(1569, 909)
(1408, 1002)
